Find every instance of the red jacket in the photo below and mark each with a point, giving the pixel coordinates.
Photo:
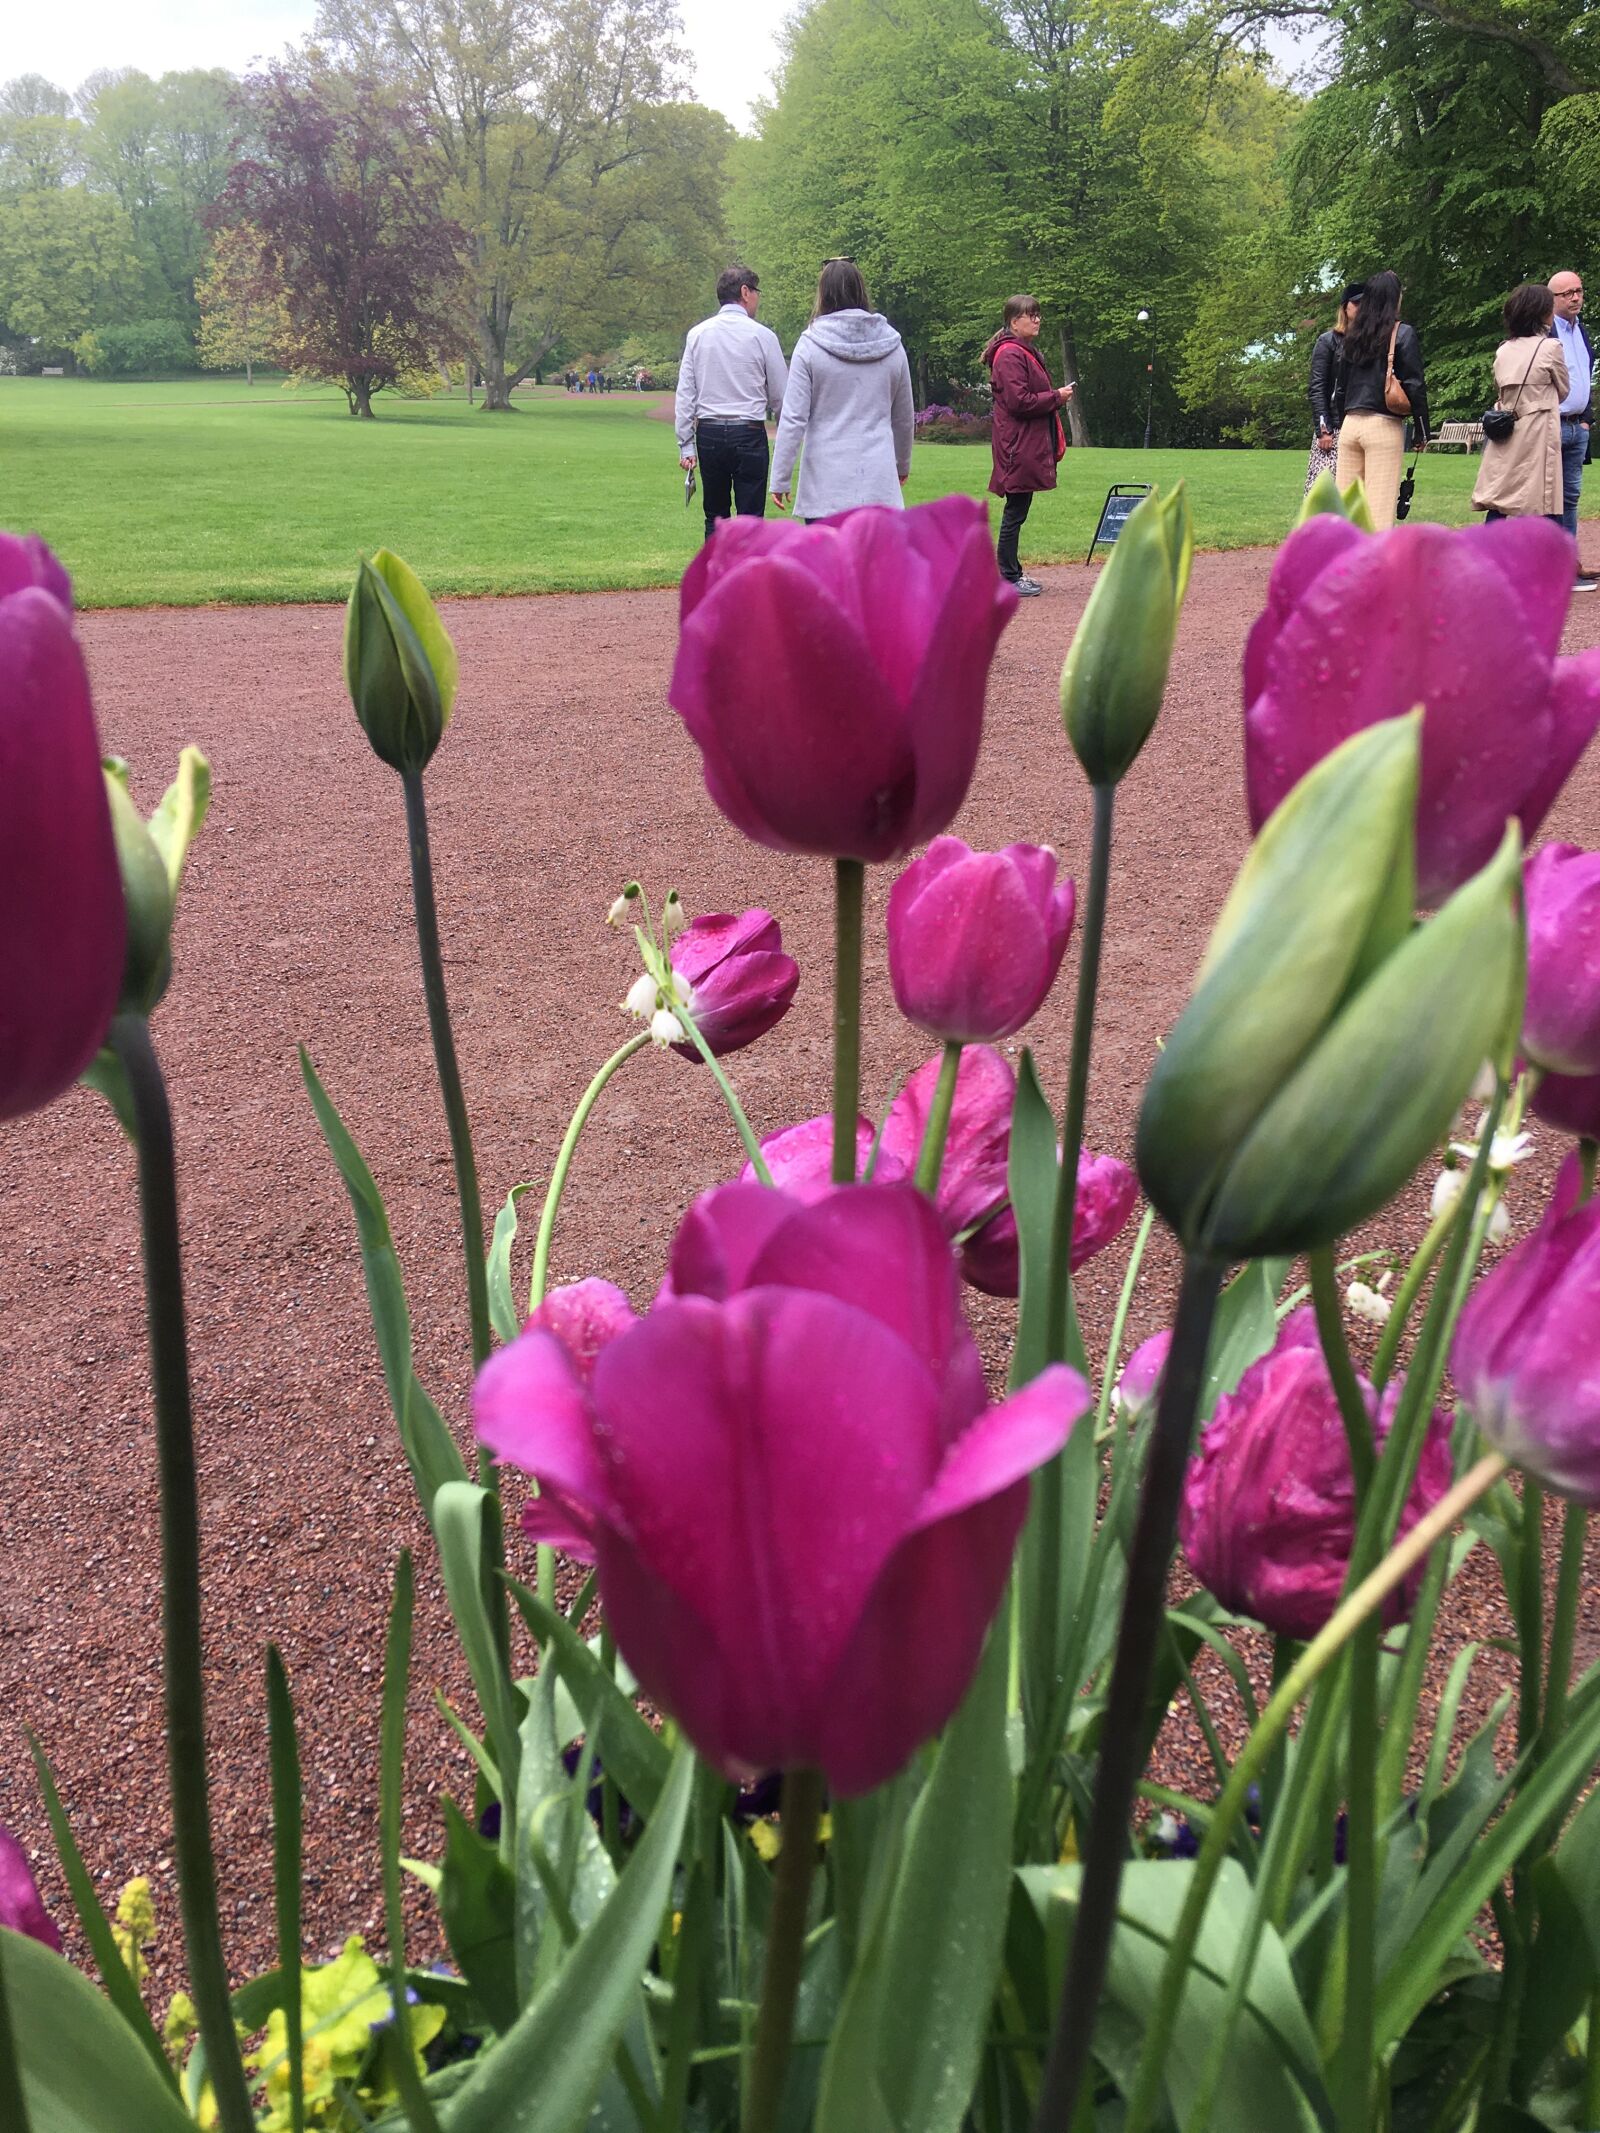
(1027, 437)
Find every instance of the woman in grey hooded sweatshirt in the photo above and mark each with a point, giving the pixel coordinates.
(847, 404)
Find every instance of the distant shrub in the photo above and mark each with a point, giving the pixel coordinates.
(140, 349)
(938, 424)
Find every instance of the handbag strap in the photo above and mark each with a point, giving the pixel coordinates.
(1394, 332)
(1526, 375)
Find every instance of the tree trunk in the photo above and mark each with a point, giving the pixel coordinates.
(1077, 419)
(359, 391)
(922, 377)
(249, 373)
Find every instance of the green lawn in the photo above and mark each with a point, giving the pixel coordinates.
(211, 491)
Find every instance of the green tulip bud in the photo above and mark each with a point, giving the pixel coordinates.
(151, 857)
(1116, 671)
(1328, 1045)
(1325, 499)
(399, 664)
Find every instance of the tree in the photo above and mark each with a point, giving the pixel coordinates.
(568, 165)
(347, 196)
(67, 261)
(244, 319)
(38, 135)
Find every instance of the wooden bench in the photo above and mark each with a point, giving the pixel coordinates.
(1469, 435)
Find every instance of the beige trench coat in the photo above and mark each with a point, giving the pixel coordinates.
(1522, 477)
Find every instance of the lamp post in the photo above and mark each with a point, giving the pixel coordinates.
(1147, 318)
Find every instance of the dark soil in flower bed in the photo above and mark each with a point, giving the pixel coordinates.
(563, 773)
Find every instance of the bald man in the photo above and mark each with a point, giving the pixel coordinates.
(1577, 409)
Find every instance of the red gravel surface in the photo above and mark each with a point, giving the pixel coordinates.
(563, 774)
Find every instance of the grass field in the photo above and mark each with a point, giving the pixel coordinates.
(208, 490)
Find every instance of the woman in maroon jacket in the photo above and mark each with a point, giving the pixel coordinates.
(1028, 438)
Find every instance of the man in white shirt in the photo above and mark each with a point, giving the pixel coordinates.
(1577, 409)
(731, 375)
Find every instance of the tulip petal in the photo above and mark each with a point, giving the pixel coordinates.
(973, 1179)
(584, 1316)
(1574, 716)
(1534, 559)
(800, 1158)
(917, 1643)
(828, 767)
(1569, 1101)
(26, 561)
(969, 957)
(21, 1910)
(721, 1237)
(61, 951)
(529, 1408)
(948, 704)
(803, 1436)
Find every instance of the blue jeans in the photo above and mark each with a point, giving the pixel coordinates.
(1574, 444)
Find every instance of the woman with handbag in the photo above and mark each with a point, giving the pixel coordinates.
(1327, 386)
(1027, 439)
(1520, 476)
(1383, 386)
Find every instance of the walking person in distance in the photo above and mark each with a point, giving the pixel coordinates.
(1383, 386)
(732, 372)
(1027, 438)
(1520, 475)
(1577, 403)
(847, 409)
(1327, 385)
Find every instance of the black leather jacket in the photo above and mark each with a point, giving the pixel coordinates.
(1327, 408)
(1363, 382)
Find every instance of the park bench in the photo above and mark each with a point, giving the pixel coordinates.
(1469, 435)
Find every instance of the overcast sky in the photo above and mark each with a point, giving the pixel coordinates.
(732, 41)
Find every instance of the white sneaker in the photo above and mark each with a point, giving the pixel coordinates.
(1585, 582)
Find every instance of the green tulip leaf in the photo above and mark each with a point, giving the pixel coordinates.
(458, 1520)
(184, 806)
(545, 2073)
(503, 1315)
(909, 2037)
(412, 598)
(635, 1755)
(147, 893)
(477, 1908)
(430, 1449)
(83, 2069)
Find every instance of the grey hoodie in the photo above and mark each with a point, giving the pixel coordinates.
(849, 405)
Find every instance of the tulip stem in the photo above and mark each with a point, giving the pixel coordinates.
(1530, 1613)
(736, 1110)
(449, 1071)
(930, 1158)
(849, 889)
(1094, 925)
(786, 1936)
(1346, 1385)
(1405, 1297)
(1564, 1624)
(1122, 1734)
(183, 1657)
(563, 1163)
(13, 2107)
(1216, 1843)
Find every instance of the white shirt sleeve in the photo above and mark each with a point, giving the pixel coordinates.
(684, 402)
(777, 371)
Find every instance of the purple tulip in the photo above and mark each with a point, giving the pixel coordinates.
(1361, 627)
(1143, 1372)
(20, 1907)
(1561, 1022)
(803, 1508)
(1108, 1192)
(976, 938)
(833, 676)
(1268, 1516)
(1526, 1358)
(1570, 1102)
(61, 949)
(800, 1158)
(742, 980)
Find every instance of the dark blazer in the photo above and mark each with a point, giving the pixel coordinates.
(1327, 407)
(1363, 382)
(1026, 437)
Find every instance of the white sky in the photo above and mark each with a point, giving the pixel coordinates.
(733, 42)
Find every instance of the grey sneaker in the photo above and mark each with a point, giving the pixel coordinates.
(1028, 587)
(1585, 582)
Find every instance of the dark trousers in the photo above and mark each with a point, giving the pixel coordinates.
(1011, 519)
(733, 469)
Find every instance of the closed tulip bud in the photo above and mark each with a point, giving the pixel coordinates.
(1116, 671)
(399, 664)
(151, 857)
(1327, 1046)
(976, 938)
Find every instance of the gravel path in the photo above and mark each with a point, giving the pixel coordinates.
(563, 774)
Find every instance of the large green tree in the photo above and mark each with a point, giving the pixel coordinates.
(67, 262)
(590, 194)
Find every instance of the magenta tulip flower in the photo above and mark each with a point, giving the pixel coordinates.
(741, 981)
(1526, 1358)
(803, 1508)
(972, 1181)
(1268, 1517)
(1561, 1021)
(799, 1159)
(1108, 1192)
(61, 946)
(976, 938)
(1361, 627)
(1569, 1102)
(21, 1908)
(833, 676)
(1142, 1373)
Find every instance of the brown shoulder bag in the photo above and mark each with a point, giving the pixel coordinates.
(1395, 397)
